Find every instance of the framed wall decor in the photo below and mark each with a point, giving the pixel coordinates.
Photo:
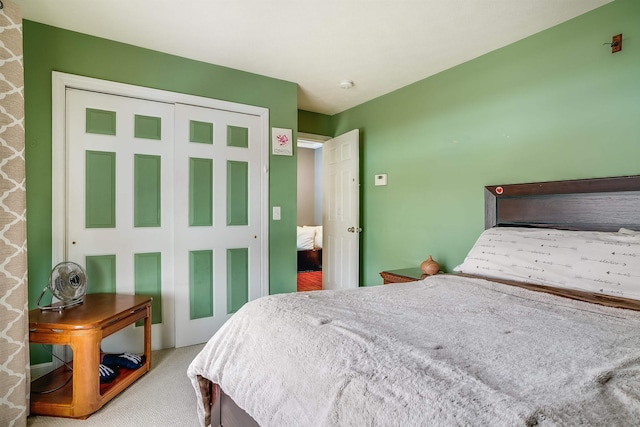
(281, 142)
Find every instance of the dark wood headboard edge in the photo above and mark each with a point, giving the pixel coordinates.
(590, 185)
(494, 193)
(490, 208)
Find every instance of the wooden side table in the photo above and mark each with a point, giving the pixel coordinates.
(82, 328)
(402, 275)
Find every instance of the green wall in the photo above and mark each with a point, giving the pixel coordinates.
(315, 123)
(48, 49)
(557, 105)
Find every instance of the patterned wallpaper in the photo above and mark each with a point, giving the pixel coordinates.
(14, 349)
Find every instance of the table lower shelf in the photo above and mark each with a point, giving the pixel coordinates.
(60, 402)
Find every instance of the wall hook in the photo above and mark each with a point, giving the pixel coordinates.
(616, 43)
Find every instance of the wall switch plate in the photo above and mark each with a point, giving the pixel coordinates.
(276, 213)
(381, 179)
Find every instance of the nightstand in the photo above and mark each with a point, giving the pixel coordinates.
(402, 275)
(82, 328)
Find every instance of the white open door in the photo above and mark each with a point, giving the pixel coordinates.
(341, 211)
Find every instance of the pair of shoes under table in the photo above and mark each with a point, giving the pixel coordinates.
(108, 369)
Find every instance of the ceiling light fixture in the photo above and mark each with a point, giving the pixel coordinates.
(346, 84)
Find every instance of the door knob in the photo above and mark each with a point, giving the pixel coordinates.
(351, 229)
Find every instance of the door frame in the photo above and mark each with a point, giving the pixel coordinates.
(63, 81)
(314, 141)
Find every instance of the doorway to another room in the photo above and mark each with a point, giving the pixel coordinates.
(309, 229)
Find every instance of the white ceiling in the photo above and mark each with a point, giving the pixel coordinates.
(381, 45)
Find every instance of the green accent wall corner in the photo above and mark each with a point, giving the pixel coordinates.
(314, 123)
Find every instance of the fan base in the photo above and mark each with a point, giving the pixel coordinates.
(58, 306)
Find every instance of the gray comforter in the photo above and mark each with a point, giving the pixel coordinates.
(446, 351)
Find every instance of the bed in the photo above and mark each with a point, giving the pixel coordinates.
(309, 243)
(479, 347)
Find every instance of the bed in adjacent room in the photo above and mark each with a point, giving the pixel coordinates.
(309, 244)
(481, 347)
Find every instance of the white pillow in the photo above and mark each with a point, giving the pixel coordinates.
(306, 236)
(598, 262)
(318, 236)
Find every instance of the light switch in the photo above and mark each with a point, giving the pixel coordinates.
(276, 213)
(381, 179)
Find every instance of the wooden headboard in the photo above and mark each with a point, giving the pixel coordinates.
(600, 204)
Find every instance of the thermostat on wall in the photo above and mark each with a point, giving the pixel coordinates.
(381, 179)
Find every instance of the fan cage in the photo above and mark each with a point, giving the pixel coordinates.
(68, 284)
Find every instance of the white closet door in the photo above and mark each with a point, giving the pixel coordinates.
(167, 200)
(218, 176)
(120, 203)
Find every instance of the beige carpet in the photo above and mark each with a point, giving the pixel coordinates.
(162, 397)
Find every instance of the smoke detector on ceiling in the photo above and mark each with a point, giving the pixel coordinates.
(346, 84)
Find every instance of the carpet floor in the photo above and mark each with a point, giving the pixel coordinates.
(164, 396)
